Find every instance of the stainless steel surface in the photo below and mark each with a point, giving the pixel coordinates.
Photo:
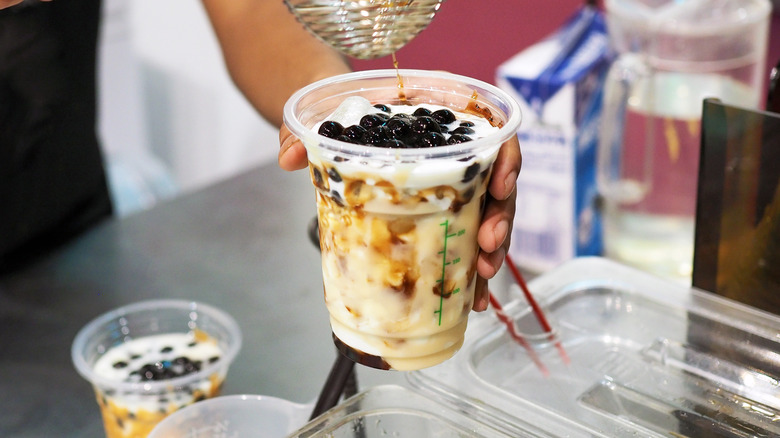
(241, 245)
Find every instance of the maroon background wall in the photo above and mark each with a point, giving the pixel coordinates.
(472, 37)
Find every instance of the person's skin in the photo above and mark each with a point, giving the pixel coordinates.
(270, 56)
(7, 3)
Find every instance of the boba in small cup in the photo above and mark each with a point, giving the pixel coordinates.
(149, 359)
(399, 203)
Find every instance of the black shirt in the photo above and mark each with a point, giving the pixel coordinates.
(52, 180)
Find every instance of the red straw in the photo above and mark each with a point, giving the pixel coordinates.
(536, 309)
(515, 335)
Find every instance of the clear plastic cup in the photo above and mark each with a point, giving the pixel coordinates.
(257, 416)
(398, 227)
(130, 337)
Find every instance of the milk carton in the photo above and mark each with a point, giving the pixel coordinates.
(558, 83)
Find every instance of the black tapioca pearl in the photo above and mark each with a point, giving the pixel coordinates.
(425, 124)
(465, 130)
(166, 349)
(330, 129)
(395, 144)
(135, 356)
(373, 120)
(421, 112)
(317, 177)
(213, 359)
(334, 175)
(471, 172)
(399, 128)
(467, 124)
(458, 138)
(382, 107)
(200, 397)
(443, 116)
(345, 139)
(192, 344)
(376, 136)
(119, 364)
(403, 116)
(432, 139)
(355, 133)
(337, 198)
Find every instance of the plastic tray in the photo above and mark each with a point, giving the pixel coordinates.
(648, 357)
(395, 411)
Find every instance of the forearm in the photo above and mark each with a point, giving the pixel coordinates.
(269, 55)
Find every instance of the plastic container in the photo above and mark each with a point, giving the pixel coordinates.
(257, 416)
(395, 411)
(133, 408)
(398, 226)
(649, 358)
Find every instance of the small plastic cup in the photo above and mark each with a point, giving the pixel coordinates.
(257, 416)
(131, 409)
(398, 227)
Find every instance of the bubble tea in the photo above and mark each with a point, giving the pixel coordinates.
(152, 358)
(401, 176)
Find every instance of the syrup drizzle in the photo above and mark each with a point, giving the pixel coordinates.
(473, 107)
(401, 93)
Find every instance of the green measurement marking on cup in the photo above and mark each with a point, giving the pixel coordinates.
(444, 264)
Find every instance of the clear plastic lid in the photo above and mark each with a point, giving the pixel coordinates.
(648, 357)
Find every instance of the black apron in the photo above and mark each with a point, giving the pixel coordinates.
(52, 180)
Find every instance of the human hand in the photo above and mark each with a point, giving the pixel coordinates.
(496, 228)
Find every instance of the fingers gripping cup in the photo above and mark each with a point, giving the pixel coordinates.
(398, 221)
(149, 359)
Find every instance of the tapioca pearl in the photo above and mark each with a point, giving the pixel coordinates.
(395, 144)
(382, 107)
(355, 133)
(422, 111)
(464, 130)
(166, 349)
(471, 172)
(458, 138)
(330, 129)
(467, 124)
(119, 365)
(373, 120)
(376, 136)
(432, 139)
(334, 175)
(317, 178)
(443, 116)
(399, 128)
(425, 124)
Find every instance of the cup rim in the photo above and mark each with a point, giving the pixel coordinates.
(494, 139)
(87, 372)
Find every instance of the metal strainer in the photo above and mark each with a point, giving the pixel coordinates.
(365, 29)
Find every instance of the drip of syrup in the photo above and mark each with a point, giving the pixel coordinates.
(474, 107)
(401, 93)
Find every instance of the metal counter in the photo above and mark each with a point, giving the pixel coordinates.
(240, 245)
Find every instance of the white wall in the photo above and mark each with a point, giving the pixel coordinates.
(170, 118)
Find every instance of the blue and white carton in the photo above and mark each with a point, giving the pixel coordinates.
(558, 83)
